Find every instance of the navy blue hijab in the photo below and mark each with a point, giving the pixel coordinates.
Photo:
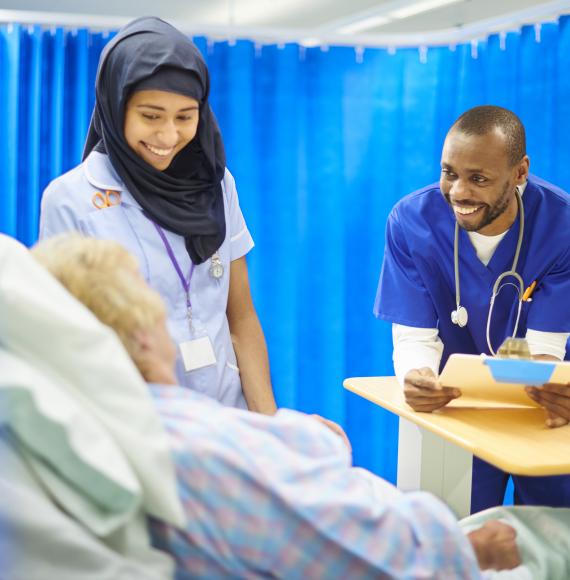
(187, 197)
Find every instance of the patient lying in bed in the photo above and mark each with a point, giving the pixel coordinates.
(267, 496)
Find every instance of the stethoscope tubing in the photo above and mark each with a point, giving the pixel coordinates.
(455, 315)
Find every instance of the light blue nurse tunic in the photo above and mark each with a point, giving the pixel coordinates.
(67, 205)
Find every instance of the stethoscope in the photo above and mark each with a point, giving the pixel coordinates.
(460, 316)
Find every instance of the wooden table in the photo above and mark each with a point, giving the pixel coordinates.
(435, 449)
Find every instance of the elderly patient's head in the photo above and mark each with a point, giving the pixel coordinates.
(105, 277)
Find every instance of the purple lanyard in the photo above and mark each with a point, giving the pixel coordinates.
(185, 283)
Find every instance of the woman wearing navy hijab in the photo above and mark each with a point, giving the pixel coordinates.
(154, 178)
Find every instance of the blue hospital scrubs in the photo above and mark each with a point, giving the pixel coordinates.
(417, 288)
(67, 205)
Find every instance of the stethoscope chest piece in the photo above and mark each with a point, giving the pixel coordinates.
(460, 317)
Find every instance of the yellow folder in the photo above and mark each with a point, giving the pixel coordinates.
(492, 382)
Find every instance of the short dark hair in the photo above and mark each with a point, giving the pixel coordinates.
(484, 119)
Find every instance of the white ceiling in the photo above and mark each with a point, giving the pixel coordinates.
(283, 20)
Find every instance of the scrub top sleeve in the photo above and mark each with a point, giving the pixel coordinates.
(401, 296)
(550, 307)
(241, 241)
(56, 216)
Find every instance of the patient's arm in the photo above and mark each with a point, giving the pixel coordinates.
(266, 494)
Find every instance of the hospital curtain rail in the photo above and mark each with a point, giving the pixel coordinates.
(322, 142)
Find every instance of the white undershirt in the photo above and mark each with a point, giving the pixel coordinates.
(415, 348)
(485, 246)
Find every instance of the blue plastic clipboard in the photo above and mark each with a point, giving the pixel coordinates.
(517, 371)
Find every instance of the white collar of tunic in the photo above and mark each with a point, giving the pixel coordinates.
(101, 174)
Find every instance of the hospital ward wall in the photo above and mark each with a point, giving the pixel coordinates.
(322, 142)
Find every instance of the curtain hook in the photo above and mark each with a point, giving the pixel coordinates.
(503, 40)
(474, 49)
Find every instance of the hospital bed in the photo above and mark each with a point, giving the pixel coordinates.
(80, 471)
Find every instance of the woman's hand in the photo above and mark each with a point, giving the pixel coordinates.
(335, 428)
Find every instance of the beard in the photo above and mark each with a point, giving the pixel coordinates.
(490, 212)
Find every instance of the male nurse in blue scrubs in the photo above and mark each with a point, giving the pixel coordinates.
(437, 280)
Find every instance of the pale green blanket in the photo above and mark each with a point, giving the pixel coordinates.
(543, 538)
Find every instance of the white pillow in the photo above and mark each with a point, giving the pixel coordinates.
(67, 448)
(44, 326)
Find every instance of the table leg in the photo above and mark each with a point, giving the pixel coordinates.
(428, 462)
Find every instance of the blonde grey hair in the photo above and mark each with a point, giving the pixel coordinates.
(105, 277)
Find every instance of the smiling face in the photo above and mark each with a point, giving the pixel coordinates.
(159, 124)
(478, 181)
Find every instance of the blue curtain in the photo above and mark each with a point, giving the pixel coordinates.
(322, 143)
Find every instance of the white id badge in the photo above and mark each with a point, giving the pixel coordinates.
(197, 353)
